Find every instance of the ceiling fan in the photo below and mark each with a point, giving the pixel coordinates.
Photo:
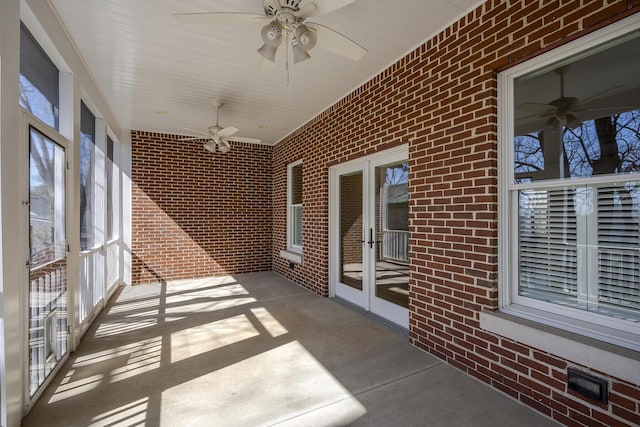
(561, 112)
(287, 20)
(219, 137)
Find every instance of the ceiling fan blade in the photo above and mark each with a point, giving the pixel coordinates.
(601, 94)
(335, 42)
(321, 7)
(528, 118)
(218, 18)
(242, 139)
(192, 134)
(621, 108)
(191, 138)
(536, 107)
(227, 132)
(191, 130)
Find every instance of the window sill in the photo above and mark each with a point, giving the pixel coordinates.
(613, 360)
(294, 257)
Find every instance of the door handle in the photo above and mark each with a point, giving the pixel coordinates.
(371, 242)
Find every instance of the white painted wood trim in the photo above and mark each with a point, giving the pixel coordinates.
(291, 256)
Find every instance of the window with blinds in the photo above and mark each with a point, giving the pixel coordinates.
(548, 246)
(575, 186)
(619, 250)
(297, 225)
(294, 202)
(580, 247)
(569, 222)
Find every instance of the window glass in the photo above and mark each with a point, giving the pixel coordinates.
(392, 209)
(296, 184)
(579, 247)
(580, 119)
(576, 164)
(46, 199)
(87, 165)
(294, 232)
(112, 191)
(297, 226)
(39, 80)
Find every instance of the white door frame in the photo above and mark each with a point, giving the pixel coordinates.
(28, 120)
(366, 299)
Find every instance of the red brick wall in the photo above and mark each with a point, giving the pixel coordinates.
(442, 100)
(195, 213)
(351, 205)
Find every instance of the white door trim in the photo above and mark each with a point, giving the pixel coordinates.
(364, 164)
(28, 121)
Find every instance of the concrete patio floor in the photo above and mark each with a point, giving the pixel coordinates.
(257, 350)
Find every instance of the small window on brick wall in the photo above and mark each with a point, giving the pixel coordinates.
(294, 207)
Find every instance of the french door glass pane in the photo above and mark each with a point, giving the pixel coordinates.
(392, 233)
(351, 203)
(48, 263)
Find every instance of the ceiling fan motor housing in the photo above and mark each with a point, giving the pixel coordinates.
(287, 20)
(271, 10)
(214, 129)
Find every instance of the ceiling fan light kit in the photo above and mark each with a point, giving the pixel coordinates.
(217, 137)
(305, 39)
(272, 37)
(210, 146)
(286, 19)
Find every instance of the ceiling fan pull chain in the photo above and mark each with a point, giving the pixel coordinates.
(286, 56)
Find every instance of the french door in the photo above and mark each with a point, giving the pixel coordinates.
(369, 234)
(47, 290)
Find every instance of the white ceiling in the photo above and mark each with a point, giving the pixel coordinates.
(161, 75)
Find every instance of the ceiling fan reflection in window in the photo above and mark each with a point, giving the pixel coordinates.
(561, 112)
(218, 137)
(286, 20)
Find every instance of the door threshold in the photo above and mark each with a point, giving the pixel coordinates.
(374, 317)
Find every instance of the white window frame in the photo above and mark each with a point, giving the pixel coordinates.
(602, 328)
(114, 191)
(291, 246)
(112, 250)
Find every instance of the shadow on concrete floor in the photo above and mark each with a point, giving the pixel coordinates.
(257, 350)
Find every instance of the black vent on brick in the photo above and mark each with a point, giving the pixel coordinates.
(588, 385)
